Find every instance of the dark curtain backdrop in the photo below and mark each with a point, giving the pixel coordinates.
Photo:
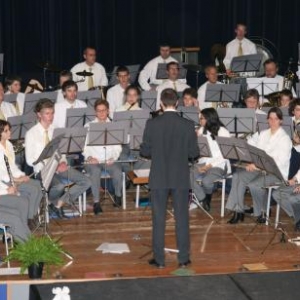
(129, 31)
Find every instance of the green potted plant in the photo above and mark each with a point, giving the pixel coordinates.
(35, 253)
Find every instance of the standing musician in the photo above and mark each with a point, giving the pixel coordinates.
(170, 141)
(6, 109)
(35, 141)
(132, 99)
(26, 187)
(100, 157)
(189, 97)
(209, 169)
(115, 95)
(64, 76)
(89, 65)
(147, 77)
(172, 82)
(251, 177)
(69, 89)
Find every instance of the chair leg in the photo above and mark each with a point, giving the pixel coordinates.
(277, 215)
(123, 190)
(268, 205)
(6, 244)
(223, 198)
(80, 204)
(84, 202)
(137, 196)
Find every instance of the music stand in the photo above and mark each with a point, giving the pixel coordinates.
(190, 113)
(222, 93)
(298, 89)
(264, 86)
(161, 72)
(134, 119)
(20, 125)
(246, 63)
(78, 117)
(136, 138)
(89, 97)
(203, 146)
(238, 120)
(133, 71)
(11, 98)
(285, 110)
(148, 100)
(1, 63)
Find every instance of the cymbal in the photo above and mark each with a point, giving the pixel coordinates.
(48, 66)
(84, 73)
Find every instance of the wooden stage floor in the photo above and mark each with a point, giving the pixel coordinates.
(216, 247)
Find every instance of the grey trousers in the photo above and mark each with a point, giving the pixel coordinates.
(159, 199)
(114, 171)
(207, 181)
(255, 181)
(289, 201)
(32, 190)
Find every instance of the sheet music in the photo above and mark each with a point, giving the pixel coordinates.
(142, 172)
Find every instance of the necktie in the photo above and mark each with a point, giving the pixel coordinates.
(174, 86)
(46, 137)
(240, 50)
(90, 80)
(2, 117)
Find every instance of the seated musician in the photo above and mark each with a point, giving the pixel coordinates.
(189, 97)
(69, 89)
(33, 87)
(294, 111)
(6, 109)
(35, 141)
(96, 158)
(64, 76)
(209, 169)
(286, 97)
(89, 65)
(13, 209)
(252, 101)
(172, 82)
(251, 177)
(211, 73)
(132, 96)
(115, 95)
(26, 187)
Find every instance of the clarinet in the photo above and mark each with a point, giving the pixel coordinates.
(11, 178)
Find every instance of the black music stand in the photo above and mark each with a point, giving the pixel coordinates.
(162, 74)
(246, 63)
(148, 100)
(203, 146)
(11, 98)
(78, 117)
(238, 120)
(298, 89)
(20, 125)
(285, 110)
(136, 138)
(264, 86)
(190, 113)
(89, 97)
(133, 71)
(222, 93)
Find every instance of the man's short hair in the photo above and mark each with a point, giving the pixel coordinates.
(241, 24)
(101, 102)
(271, 61)
(67, 84)
(252, 93)
(122, 69)
(42, 104)
(164, 44)
(208, 67)
(66, 73)
(190, 92)
(169, 97)
(172, 63)
(87, 48)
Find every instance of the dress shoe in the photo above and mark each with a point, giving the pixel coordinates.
(297, 226)
(31, 224)
(118, 201)
(237, 217)
(62, 213)
(152, 262)
(97, 208)
(206, 202)
(249, 211)
(8, 238)
(55, 210)
(184, 264)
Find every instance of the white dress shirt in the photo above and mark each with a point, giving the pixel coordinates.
(202, 94)
(60, 97)
(115, 98)
(126, 107)
(217, 160)
(278, 146)
(60, 114)
(20, 101)
(8, 109)
(99, 77)
(232, 49)
(148, 74)
(169, 84)
(112, 151)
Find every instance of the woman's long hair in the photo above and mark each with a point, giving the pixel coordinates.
(213, 122)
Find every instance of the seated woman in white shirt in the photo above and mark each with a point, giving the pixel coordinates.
(132, 96)
(209, 169)
(189, 97)
(99, 158)
(276, 143)
(6, 109)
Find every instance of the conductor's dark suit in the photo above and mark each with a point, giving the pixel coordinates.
(170, 141)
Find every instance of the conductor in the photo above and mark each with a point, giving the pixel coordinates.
(169, 141)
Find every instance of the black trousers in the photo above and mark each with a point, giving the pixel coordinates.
(159, 198)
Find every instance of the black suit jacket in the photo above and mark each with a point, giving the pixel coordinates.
(170, 141)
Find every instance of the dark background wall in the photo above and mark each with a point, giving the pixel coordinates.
(128, 31)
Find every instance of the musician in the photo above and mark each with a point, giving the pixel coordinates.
(189, 97)
(132, 98)
(97, 156)
(286, 97)
(147, 78)
(89, 65)
(64, 76)
(115, 95)
(209, 169)
(211, 73)
(69, 90)
(33, 86)
(294, 111)
(276, 143)
(6, 109)
(26, 187)
(13, 209)
(239, 46)
(251, 100)
(35, 141)
(170, 141)
(13, 86)
(172, 82)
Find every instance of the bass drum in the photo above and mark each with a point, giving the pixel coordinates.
(266, 54)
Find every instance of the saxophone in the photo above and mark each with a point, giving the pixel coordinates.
(289, 77)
